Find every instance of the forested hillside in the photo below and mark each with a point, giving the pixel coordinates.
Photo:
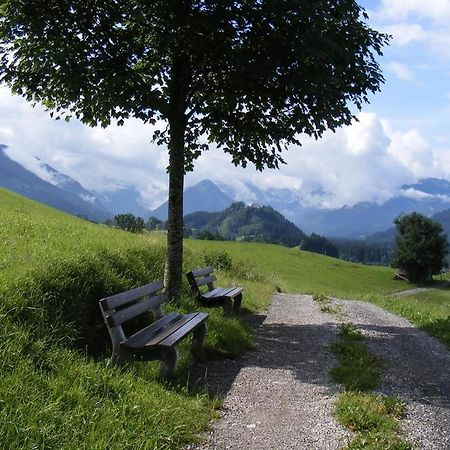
(247, 223)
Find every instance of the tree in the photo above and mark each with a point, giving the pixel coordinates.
(319, 244)
(153, 223)
(129, 222)
(421, 247)
(248, 76)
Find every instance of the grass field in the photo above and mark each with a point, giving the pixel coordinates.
(311, 273)
(58, 391)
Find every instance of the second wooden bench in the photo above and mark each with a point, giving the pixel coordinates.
(230, 298)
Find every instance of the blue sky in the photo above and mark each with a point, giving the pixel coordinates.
(402, 135)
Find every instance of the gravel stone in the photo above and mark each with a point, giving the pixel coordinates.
(280, 396)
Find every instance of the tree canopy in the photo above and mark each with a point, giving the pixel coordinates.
(249, 76)
(319, 244)
(421, 247)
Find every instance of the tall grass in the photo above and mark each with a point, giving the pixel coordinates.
(58, 390)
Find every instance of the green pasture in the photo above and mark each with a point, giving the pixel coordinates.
(58, 390)
(304, 272)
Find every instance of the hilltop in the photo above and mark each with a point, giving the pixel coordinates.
(247, 223)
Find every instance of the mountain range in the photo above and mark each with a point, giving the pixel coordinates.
(429, 197)
(66, 194)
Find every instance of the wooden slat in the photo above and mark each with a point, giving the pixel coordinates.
(216, 293)
(133, 311)
(180, 333)
(222, 292)
(123, 298)
(138, 340)
(185, 318)
(205, 280)
(234, 292)
(182, 326)
(202, 272)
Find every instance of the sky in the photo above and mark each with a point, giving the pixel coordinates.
(402, 136)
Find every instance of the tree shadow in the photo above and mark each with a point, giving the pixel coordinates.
(417, 365)
(416, 369)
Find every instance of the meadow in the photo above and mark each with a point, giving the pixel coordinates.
(58, 389)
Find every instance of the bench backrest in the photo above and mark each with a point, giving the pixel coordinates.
(201, 277)
(125, 306)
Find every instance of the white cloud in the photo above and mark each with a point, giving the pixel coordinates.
(405, 33)
(436, 10)
(367, 161)
(416, 22)
(400, 71)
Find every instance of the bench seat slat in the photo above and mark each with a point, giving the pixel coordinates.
(138, 339)
(133, 311)
(167, 336)
(126, 297)
(222, 292)
(235, 291)
(194, 322)
(217, 292)
(202, 272)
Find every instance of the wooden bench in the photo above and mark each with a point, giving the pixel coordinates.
(158, 340)
(401, 275)
(230, 298)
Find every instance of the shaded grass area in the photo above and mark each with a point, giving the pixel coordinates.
(373, 418)
(358, 370)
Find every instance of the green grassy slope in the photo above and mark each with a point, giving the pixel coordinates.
(297, 271)
(57, 388)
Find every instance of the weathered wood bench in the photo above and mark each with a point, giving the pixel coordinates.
(401, 275)
(158, 340)
(230, 298)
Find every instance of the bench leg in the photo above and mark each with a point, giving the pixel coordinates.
(120, 357)
(168, 362)
(237, 303)
(197, 339)
(227, 306)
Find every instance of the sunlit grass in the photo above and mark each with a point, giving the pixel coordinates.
(54, 347)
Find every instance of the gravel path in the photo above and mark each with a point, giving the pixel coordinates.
(280, 395)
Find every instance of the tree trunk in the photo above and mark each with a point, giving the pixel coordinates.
(178, 92)
(174, 260)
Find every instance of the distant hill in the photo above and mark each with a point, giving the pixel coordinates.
(443, 217)
(388, 236)
(427, 197)
(204, 196)
(16, 178)
(249, 223)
